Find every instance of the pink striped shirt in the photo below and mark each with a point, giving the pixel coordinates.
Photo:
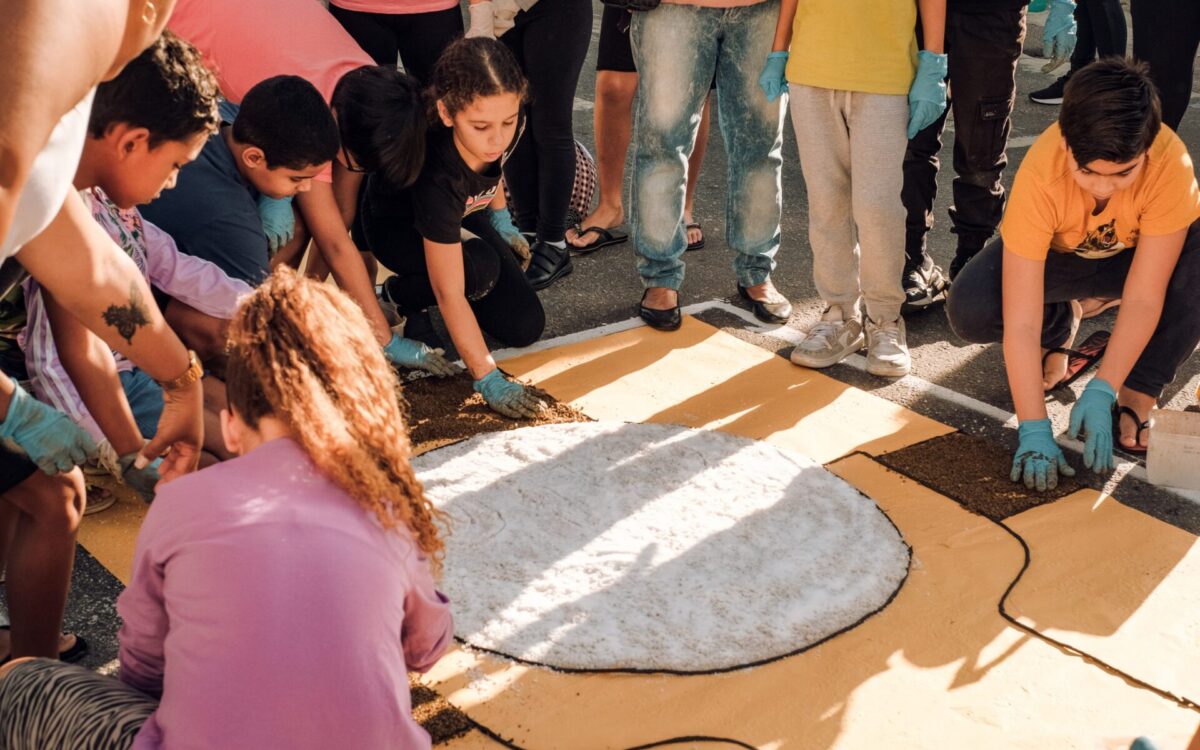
(193, 281)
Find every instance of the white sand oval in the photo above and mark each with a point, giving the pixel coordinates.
(613, 546)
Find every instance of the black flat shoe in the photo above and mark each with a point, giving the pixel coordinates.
(547, 264)
(418, 326)
(662, 320)
(767, 312)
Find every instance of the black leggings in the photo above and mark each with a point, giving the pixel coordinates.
(1165, 35)
(418, 38)
(1102, 31)
(550, 40)
(505, 305)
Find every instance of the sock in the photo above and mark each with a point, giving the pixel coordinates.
(561, 244)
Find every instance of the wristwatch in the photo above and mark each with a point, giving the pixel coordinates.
(194, 372)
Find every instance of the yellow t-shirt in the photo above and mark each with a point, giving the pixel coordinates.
(868, 46)
(1047, 209)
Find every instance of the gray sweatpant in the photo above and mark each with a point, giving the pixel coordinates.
(852, 153)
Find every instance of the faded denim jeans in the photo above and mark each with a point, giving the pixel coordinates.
(677, 50)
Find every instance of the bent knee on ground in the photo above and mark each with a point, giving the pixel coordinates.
(54, 501)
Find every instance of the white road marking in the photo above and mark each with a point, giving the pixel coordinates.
(924, 387)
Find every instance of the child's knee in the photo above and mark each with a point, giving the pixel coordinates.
(971, 321)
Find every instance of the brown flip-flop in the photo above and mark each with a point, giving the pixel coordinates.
(1082, 358)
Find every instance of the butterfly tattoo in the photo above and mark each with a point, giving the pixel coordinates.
(127, 319)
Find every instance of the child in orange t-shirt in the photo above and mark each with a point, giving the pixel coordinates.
(1104, 205)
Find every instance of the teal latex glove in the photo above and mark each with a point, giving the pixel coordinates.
(1092, 414)
(509, 397)
(503, 224)
(1038, 460)
(417, 355)
(52, 441)
(1058, 36)
(144, 480)
(773, 80)
(927, 95)
(278, 220)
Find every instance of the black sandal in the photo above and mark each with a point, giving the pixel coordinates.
(604, 238)
(1124, 411)
(76, 652)
(698, 244)
(1080, 360)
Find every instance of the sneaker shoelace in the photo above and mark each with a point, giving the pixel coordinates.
(820, 336)
(887, 339)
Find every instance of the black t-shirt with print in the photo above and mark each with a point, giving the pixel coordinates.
(444, 193)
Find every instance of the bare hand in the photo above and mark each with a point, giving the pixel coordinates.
(180, 433)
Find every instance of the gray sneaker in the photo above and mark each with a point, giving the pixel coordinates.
(830, 340)
(887, 349)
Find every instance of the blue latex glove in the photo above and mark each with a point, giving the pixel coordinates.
(503, 224)
(278, 220)
(417, 355)
(927, 95)
(1058, 36)
(773, 80)
(144, 480)
(1038, 460)
(52, 441)
(508, 397)
(1092, 414)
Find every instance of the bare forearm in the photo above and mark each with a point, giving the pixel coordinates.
(89, 276)
(933, 24)
(90, 366)
(1135, 327)
(783, 27)
(1022, 352)
(464, 331)
(7, 386)
(350, 273)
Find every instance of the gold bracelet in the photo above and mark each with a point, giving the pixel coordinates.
(192, 374)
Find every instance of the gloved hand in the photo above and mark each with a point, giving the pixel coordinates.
(144, 480)
(1038, 459)
(927, 95)
(49, 437)
(278, 220)
(773, 80)
(483, 20)
(1058, 36)
(417, 355)
(503, 224)
(1092, 414)
(508, 397)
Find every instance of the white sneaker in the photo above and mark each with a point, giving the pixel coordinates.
(830, 340)
(887, 350)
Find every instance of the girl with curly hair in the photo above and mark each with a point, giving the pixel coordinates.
(278, 599)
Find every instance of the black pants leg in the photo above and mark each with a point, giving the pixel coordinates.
(976, 313)
(550, 41)
(417, 38)
(1102, 31)
(505, 306)
(983, 49)
(1165, 35)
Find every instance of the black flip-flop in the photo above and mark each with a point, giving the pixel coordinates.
(604, 238)
(1081, 359)
(74, 653)
(1125, 411)
(698, 244)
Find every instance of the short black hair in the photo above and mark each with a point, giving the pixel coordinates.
(1110, 111)
(381, 118)
(166, 89)
(288, 119)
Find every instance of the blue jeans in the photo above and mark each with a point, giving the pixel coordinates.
(677, 50)
(145, 400)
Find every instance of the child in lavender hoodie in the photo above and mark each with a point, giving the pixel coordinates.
(281, 598)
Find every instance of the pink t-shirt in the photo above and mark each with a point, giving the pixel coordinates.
(395, 7)
(270, 610)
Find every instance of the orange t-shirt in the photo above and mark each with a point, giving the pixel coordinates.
(1048, 210)
(247, 42)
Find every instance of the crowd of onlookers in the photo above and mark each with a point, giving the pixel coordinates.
(168, 169)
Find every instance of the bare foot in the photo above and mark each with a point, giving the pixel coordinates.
(694, 233)
(604, 216)
(660, 298)
(1093, 306)
(1054, 365)
(1142, 404)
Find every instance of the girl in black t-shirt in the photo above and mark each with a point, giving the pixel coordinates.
(417, 231)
